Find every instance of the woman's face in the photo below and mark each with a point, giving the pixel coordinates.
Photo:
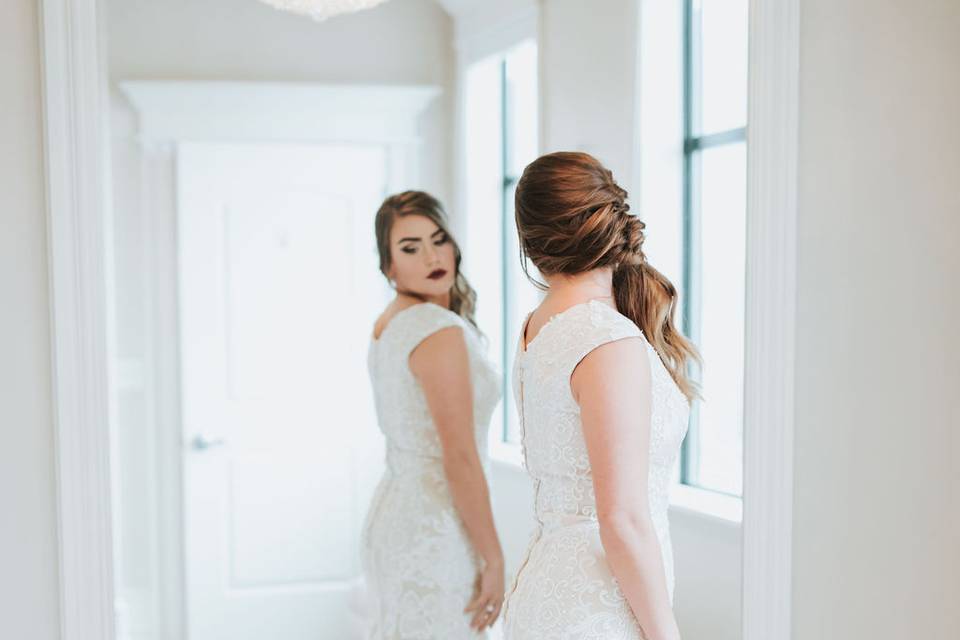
(421, 255)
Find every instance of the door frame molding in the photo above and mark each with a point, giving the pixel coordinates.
(78, 218)
(773, 148)
(74, 103)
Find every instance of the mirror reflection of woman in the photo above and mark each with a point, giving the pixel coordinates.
(432, 559)
(603, 399)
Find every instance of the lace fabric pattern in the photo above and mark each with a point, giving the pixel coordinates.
(564, 589)
(419, 566)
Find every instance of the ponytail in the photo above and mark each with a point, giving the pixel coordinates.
(647, 297)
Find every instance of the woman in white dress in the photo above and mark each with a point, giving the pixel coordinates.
(603, 398)
(432, 560)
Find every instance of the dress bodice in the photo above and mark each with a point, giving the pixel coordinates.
(401, 406)
(554, 449)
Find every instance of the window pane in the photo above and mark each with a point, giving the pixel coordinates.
(721, 60)
(502, 124)
(484, 192)
(722, 234)
(522, 146)
(521, 107)
(522, 297)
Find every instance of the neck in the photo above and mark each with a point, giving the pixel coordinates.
(597, 283)
(443, 299)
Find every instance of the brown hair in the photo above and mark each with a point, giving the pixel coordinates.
(463, 298)
(573, 217)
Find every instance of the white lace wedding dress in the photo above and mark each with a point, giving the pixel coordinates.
(564, 589)
(419, 566)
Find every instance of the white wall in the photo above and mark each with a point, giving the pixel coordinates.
(28, 537)
(876, 538)
(588, 52)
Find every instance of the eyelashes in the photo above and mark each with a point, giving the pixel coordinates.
(410, 249)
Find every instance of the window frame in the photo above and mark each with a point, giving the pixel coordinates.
(504, 438)
(693, 144)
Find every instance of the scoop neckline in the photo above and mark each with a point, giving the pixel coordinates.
(525, 348)
(375, 340)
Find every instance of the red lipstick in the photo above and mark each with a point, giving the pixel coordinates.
(437, 274)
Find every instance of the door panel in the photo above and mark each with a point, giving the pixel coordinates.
(278, 290)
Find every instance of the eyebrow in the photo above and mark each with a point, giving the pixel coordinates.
(439, 230)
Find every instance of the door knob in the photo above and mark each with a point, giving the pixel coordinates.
(202, 443)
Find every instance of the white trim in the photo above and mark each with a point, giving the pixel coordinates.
(772, 152)
(162, 358)
(277, 111)
(73, 72)
(707, 505)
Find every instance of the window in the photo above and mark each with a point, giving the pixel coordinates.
(714, 236)
(501, 127)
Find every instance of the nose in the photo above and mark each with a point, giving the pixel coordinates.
(431, 255)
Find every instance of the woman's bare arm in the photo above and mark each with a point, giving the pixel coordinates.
(441, 364)
(612, 386)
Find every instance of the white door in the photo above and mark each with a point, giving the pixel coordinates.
(278, 291)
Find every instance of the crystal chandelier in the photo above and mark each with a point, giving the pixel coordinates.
(322, 9)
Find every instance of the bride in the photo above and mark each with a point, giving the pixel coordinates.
(432, 559)
(603, 398)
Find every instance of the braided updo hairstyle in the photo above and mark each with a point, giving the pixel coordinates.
(573, 217)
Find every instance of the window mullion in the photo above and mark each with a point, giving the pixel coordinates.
(689, 453)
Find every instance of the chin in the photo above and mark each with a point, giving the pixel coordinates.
(438, 288)
(433, 289)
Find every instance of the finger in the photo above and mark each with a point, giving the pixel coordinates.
(491, 616)
(480, 618)
(483, 621)
(477, 622)
(474, 603)
(496, 613)
(479, 601)
(488, 613)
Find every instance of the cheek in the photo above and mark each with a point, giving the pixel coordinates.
(448, 254)
(402, 265)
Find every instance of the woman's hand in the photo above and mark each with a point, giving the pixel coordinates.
(487, 603)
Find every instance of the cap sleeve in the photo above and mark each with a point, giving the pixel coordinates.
(596, 325)
(420, 321)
